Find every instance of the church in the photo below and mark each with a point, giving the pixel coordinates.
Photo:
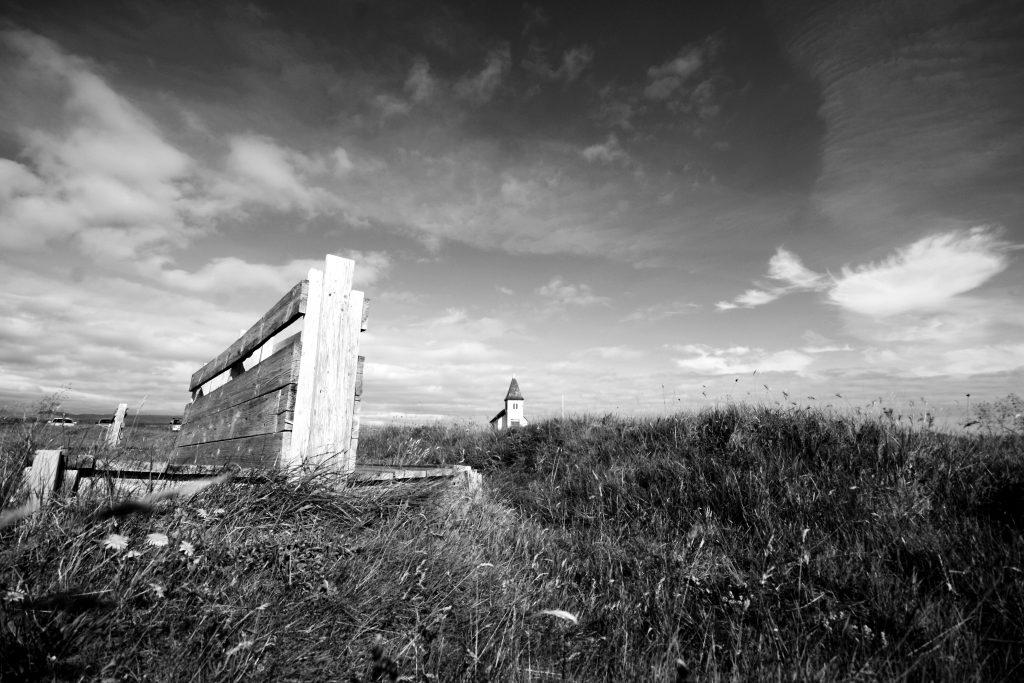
(512, 415)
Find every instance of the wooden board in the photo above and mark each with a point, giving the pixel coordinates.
(366, 314)
(263, 451)
(333, 373)
(286, 311)
(46, 472)
(304, 390)
(265, 414)
(114, 428)
(275, 372)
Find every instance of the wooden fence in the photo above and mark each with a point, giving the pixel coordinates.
(299, 406)
(297, 409)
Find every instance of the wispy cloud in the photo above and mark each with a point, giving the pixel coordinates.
(924, 275)
(420, 84)
(786, 269)
(707, 360)
(607, 152)
(560, 294)
(573, 63)
(657, 312)
(481, 87)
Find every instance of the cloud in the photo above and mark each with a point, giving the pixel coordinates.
(480, 88)
(92, 158)
(783, 267)
(924, 275)
(656, 312)
(231, 274)
(607, 152)
(562, 294)
(420, 84)
(574, 63)
(736, 360)
(666, 79)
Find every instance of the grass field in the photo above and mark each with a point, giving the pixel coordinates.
(750, 543)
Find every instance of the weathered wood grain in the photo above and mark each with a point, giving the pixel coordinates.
(265, 414)
(291, 306)
(46, 472)
(366, 314)
(263, 451)
(114, 428)
(330, 420)
(275, 372)
(307, 368)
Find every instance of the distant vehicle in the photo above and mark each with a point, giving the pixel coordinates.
(105, 421)
(176, 424)
(62, 422)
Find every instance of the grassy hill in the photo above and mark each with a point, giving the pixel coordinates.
(747, 543)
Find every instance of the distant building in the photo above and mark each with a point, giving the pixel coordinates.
(512, 415)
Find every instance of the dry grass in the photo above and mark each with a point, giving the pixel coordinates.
(751, 544)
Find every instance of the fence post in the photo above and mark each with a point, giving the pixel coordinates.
(43, 477)
(114, 428)
(322, 422)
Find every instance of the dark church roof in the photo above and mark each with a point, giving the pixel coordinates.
(513, 392)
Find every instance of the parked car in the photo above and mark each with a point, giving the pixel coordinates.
(62, 422)
(176, 424)
(105, 421)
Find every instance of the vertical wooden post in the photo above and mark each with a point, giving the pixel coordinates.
(114, 428)
(330, 419)
(350, 348)
(302, 415)
(44, 476)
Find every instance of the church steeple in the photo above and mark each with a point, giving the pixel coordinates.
(514, 394)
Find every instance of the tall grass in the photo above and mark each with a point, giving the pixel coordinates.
(749, 543)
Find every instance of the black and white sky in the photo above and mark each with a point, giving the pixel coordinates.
(634, 206)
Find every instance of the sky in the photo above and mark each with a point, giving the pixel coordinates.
(635, 208)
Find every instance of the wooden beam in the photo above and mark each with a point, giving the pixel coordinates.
(114, 428)
(265, 414)
(366, 314)
(279, 370)
(44, 477)
(330, 426)
(286, 311)
(307, 368)
(263, 451)
(357, 400)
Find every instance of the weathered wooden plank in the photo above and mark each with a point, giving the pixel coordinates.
(46, 473)
(359, 375)
(114, 428)
(330, 421)
(350, 349)
(366, 314)
(307, 368)
(275, 372)
(265, 414)
(291, 306)
(263, 451)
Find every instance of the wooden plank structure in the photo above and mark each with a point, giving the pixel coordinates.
(297, 408)
(115, 427)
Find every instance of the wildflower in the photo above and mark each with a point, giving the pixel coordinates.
(132, 554)
(187, 549)
(14, 596)
(157, 540)
(158, 589)
(203, 514)
(115, 542)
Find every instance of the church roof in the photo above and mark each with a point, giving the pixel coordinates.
(513, 392)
